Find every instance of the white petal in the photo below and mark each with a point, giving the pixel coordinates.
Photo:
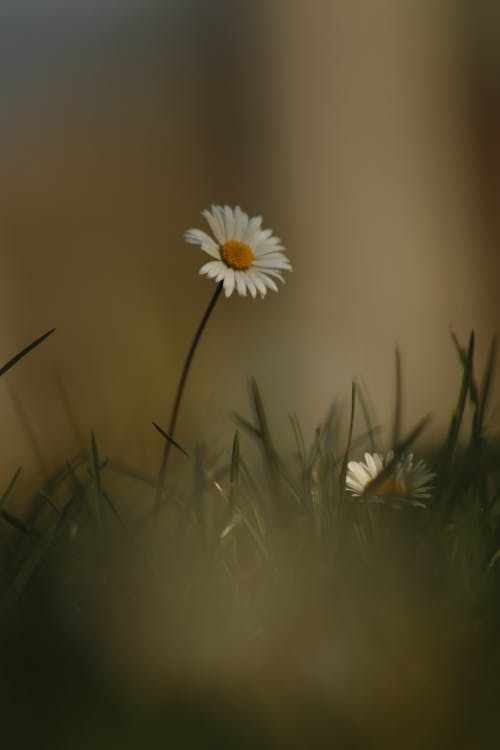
(240, 283)
(254, 276)
(270, 245)
(268, 282)
(222, 273)
(276, 260)
(272, 272)
(249, 284)
(229, 282)
(240, 223)
(229, 222)
(218, 214)
(214, 225)
(371, 465)
(197, 237)
(252, 230)
(212, 268)
(263, 235)
(363, 474)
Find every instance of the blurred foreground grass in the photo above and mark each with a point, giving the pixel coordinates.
(261, 606)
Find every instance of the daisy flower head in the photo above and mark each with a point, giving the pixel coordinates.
(244, 256)
(408, 479)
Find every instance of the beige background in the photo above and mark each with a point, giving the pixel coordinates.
(364, 132)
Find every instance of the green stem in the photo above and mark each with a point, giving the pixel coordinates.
(178, 397)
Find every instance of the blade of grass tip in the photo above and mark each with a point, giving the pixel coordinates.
(17, 524)
(315, 452)
(9, 488)
(463, 356)
(399, 450)
(299, 438)
(49, 501)
(329, 428)
(27, 349)
(270, 455)
(262, 423)
(485, 387)
(345, 461)
(170, 439)
(398, 405)
(366, 416)
(457, 416)
(244, 424)
(96, 476)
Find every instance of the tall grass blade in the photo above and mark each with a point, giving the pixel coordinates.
(456, 420)
(299, 438)
(27, 349)
(370, 429)
(398, 406)
(235, 459)
(485, 389)
(345, 461)
(270, 455)
(262, 423)
(16, 523)
(170, 439)
(96, 476)
(244, 424)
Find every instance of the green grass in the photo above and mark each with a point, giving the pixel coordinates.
(261, 605)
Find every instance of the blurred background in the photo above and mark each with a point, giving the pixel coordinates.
(365, 133)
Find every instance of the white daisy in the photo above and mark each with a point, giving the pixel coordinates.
(245, 256)
(408, 479)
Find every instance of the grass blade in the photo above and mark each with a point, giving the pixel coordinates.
(27, 349)
(484, 393)
(343, 471)
(96, 476)
(299, 438)
(170, 439)
(456, 420)
(370, 429)
(247, 426)
(398, 406)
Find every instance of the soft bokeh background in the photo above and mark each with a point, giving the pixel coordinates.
(365, 133)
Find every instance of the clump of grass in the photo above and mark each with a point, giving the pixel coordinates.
(272, 583)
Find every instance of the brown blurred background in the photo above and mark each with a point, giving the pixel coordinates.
(366, 134)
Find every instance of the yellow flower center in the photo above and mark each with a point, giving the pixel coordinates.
(237, 255)
(390, 486)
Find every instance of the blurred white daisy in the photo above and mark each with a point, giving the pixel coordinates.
(408, 479)
(244, 256)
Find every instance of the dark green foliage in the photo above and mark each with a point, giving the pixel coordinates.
(243, 546)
